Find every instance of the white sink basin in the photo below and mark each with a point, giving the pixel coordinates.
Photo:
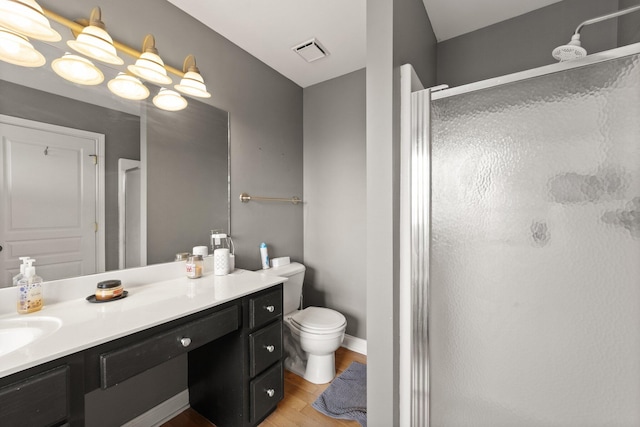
(16, 333)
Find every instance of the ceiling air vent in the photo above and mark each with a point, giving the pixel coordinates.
(311, 50)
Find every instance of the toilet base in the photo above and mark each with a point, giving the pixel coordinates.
(321, 369)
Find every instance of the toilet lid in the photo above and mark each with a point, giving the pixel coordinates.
(318, 318)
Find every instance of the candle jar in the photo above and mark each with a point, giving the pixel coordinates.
(194, 266)
(109, 289)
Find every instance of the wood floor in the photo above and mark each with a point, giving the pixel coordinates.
(295, 409)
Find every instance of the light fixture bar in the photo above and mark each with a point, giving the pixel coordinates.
(77, 28)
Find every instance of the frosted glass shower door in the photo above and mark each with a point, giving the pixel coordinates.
(534, 285)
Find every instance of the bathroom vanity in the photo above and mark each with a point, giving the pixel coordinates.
(230, 327)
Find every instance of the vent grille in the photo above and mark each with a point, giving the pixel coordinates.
(311, 50)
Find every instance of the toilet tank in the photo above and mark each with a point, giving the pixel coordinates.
(292, 288)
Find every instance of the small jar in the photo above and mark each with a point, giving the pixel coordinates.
(109, 289)
(194, 266)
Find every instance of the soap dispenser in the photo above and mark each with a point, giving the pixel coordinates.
(20, 275)
(29, 290)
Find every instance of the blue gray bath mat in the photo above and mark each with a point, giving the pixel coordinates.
(346, 396)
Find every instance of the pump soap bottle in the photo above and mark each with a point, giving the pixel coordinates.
(29, 290)
(20, 275)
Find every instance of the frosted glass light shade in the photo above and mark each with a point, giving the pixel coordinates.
(169, 100)
(96, 43)
(26, 17)
(128, 87)
(16, 49)
(77, 69)
(149, 66)
(193, 84)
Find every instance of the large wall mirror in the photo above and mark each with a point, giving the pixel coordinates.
(165, 174)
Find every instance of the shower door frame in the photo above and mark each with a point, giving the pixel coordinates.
(414, 268)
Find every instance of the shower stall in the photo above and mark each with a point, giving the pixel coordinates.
(520, 271)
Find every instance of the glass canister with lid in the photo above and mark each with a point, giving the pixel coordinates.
(194, 266)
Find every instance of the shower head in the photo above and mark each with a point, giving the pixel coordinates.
(571, 50)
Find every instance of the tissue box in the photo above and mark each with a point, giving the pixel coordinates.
(279, 262)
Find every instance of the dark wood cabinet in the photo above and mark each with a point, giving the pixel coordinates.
(234, 367)
(125, 362)
(265, 348)
(266, 387)
(40, 400)
(266, 390)
(240, 381)
(47, 395)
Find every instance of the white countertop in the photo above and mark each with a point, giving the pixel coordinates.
(83, 324)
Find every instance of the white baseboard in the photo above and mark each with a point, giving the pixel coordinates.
(163, 412)
(355, 344)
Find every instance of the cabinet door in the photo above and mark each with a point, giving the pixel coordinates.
(266, 391)
(38, 401)
(265, 347)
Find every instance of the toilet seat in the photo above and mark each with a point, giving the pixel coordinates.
(318, 320)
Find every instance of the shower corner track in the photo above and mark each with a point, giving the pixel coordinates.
(413, 381)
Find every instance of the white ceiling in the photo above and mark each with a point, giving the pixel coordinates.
(269, 29)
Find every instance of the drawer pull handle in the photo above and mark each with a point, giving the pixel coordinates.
(271, 392)
(270, 348)
(185, 341)
(270, 308)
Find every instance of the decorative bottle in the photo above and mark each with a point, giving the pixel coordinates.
(29, 290)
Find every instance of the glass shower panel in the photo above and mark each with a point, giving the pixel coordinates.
(534, 304)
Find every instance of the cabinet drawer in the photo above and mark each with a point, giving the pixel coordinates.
(41, 400)
(265, 308)
(265, 347)
(121, 364)
(266, 391)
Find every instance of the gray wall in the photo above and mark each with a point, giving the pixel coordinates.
(121, 131)
(265, 111)
(526, 41)
(335, 196)
(398, 32)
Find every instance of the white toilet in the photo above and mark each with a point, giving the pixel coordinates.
(317, 331)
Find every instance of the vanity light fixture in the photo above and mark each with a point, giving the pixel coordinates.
(16, 49)
(95, 42)
(26, 17)
(192, 83)
(129, 87)
(169, 100)
(77, 69)
(149, 65)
